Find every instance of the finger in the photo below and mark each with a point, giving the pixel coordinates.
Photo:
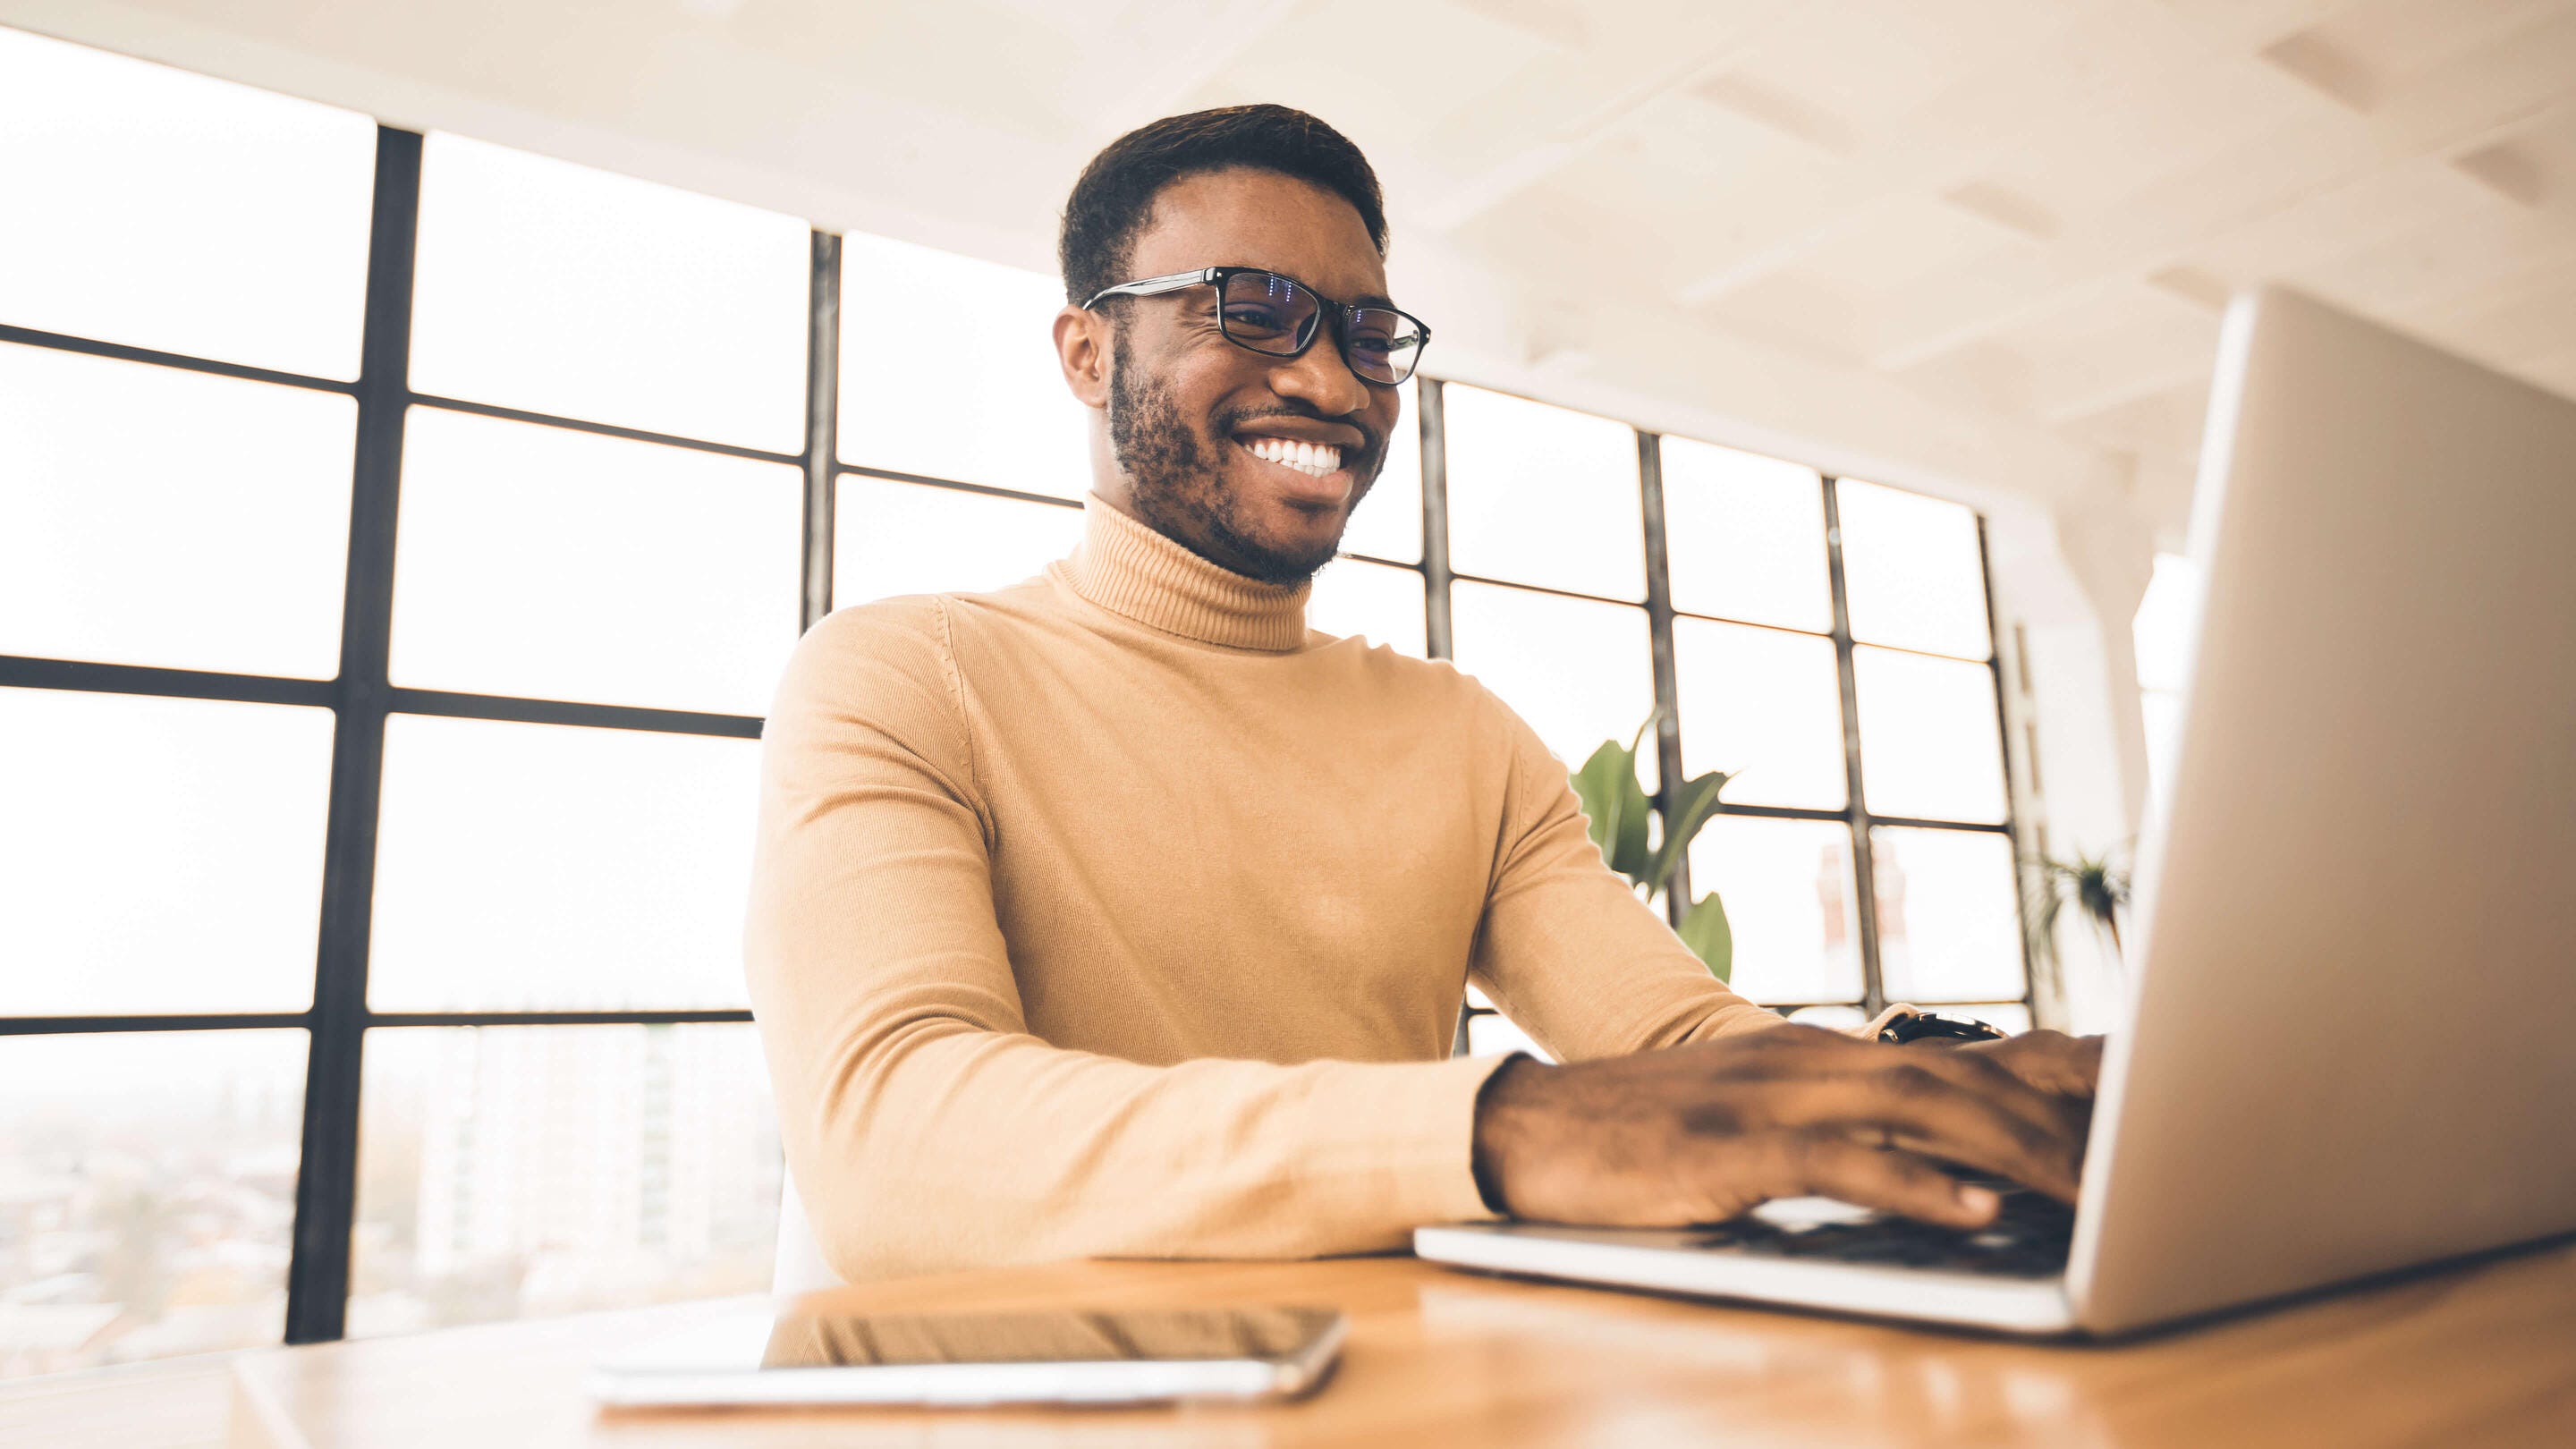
(1938, 1103)
(1925, 1111)
(2077, 1063)
(2050, 1061)
(1995, 1079)
(1982, 1067)
(1826, 1164)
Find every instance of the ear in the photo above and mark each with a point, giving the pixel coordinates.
(1082, 350)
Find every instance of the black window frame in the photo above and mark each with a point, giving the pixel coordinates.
(1660, 614)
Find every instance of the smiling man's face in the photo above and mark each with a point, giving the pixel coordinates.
(1250, 461)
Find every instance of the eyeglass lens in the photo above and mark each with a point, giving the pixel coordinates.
(1270, 313)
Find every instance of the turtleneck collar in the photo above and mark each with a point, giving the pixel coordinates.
(1131, 570)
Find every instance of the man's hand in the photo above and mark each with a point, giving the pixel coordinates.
(1700, 1133)
(2051, 1061)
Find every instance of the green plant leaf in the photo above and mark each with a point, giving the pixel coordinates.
(1693, 803)
(1615, 807)
(1634, 812)
(2040, 906)
(1705, 931)
(1596, 785)
(2096, 885)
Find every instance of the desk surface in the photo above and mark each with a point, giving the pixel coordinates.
(2481, 1355)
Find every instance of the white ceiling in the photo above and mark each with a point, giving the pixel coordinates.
(1974, 245)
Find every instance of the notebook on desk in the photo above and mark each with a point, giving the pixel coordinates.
(2353, 997)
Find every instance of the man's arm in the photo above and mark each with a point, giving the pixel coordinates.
(1742, 1106)
(1566, 948)
(926, 1128)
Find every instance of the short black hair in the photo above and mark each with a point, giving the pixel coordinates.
(1115, 195)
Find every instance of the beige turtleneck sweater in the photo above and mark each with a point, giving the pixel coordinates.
(1118, 913)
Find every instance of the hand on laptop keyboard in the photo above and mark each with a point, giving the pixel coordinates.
(1698, 1134)
(2028, 1239)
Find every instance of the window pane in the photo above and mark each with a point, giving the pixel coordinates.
(1765, 704)
(2162, 628)
(225, 552)
(1388, 522)
(559, 289)
(1542, 495)
(2162, 631)
(2011, 1016)
(158, 855)
(1492, 1034)
(1789, 899)
(180, 213)
(1912, 571)
(1746, 535)
(523, 1171)
(893, 538)
(543, 868)
(948, 369)
(1929, 749)
(149, 1179)
(552, 564)
(1949, 921)
(1381, 604)
(1580, 672)
(2162, 714)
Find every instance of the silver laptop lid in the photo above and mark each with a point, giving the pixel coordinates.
(2352, 1041)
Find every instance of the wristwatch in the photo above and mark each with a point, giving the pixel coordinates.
(1924, 1026)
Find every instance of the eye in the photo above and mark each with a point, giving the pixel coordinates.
(1383, 328)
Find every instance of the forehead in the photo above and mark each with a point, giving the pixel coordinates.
(1243, 217)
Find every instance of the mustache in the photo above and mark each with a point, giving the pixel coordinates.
(1230, 423)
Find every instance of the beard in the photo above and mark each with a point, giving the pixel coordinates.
(1176, 478)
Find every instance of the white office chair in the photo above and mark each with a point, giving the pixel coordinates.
(800, 1267)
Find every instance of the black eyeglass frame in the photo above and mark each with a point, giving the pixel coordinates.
(1338, 312)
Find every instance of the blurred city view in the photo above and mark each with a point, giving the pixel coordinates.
(147, 1194)
(147, 1182)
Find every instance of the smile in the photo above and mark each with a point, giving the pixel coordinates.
(1315, 460)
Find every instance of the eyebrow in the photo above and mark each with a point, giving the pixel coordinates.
(1371, 299)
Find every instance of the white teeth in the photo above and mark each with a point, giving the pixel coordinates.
(1313, 459)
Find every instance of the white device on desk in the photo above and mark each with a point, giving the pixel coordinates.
(972, 1359)
(2352, 1018)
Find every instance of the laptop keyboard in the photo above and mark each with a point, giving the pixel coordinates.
(2030, 1238)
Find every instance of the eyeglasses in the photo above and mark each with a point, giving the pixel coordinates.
(1280, 316)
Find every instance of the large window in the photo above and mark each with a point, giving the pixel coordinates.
(1830, 648)
(377, 739)
(399, 540)
(2162, 631)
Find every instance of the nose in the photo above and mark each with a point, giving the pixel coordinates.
(1320, 378)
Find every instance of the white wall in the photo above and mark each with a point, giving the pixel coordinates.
(2067, 584)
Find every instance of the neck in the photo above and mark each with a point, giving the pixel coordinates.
(1129, 567)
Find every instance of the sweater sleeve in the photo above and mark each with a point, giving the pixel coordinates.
(1566, 949)
(925, 1127)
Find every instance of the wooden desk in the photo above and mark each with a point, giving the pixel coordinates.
(2484, 1355)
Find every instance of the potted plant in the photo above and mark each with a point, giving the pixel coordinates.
(2096, 885)
(1617, 809)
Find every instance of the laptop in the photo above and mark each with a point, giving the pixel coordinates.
(2351, 1017)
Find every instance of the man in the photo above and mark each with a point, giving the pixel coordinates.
(1117, 913)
